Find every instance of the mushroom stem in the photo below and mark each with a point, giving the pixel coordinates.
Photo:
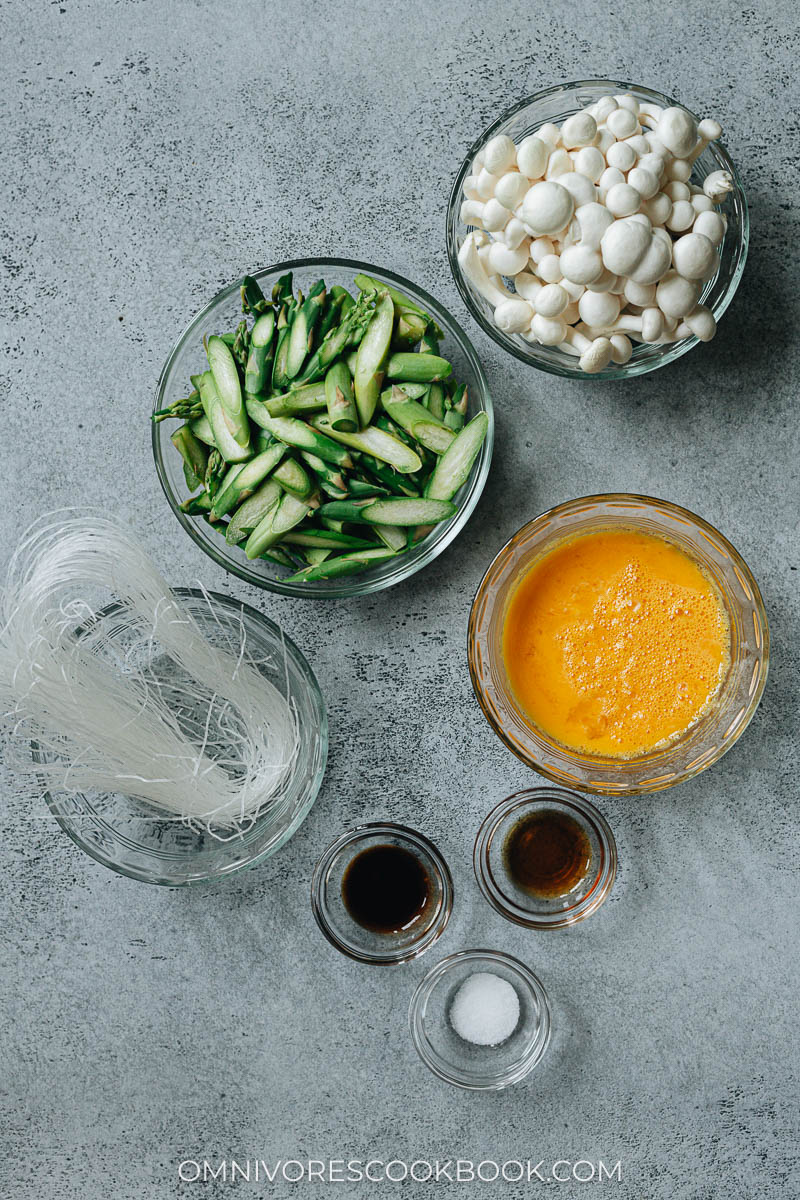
(475, 272)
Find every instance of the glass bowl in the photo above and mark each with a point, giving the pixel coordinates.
(518, 905)
(349, 936)
(478, 1068)
(556, 104)
(134, 839)
(704, 742)
(187, 357)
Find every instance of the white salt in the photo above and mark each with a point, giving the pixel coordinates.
(485, 1010)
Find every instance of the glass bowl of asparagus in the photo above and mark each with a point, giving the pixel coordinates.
(323, 428)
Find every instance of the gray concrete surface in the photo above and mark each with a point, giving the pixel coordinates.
(151, 151)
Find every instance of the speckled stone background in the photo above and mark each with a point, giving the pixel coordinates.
(152, 151)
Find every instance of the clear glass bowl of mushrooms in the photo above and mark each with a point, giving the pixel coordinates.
(598, 229)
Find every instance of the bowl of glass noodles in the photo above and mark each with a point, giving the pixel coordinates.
(178, 735)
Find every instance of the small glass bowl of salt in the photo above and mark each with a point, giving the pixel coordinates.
(480, 1020)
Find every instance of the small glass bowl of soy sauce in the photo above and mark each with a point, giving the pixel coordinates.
(382, 893)
(545, 858)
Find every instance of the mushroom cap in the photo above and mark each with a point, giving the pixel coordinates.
(655, 262)
(645, 182)
(550, 331)
(624, 244)
(582, 189)
(513, 316)
(598, 309)
(694, 256)
(499, 154)
(676, 296)
(593, 220)
(547, 207)
(581, 264)
(551, 300)
(503, 260)
(677, 130)
(623, 123)
(532, 156)
(598, 355)
(702, 323)
(578, 130)
(621, 155)
(711, 225)
(589, 161)
(510, 189)
(623, 200)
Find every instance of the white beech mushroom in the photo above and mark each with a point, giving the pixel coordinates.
(600, 227)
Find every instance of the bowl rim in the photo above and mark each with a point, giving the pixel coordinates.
(434, 1062)
(313, 788)
(527, 798)
(361, 583)
(614, 371)
(684, 514)
(404, 833)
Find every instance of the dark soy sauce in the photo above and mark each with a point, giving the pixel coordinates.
(547, 853)
(385, 889)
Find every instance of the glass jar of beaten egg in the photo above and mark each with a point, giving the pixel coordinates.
(618, 643)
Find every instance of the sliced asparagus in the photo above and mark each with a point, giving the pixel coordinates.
(293, 478)
(188, 408)
(414, 391)
(259, 360)
(253, 299)
(395, 511)
(456, 409)
(402, 302)
(314, 557)
(196, 506)
(330, 478)
(391, 536)
(348, 333)
(201, 429)
(305, 437)
(435, 401)
(194, 455)
(310, 398)
(429, 342)
(247, 478)
(417, 420)
(277, 522)
(345, 564)
(302, 331)
(408, 512)
(277, 422)
(279, 555)
(253, 510)
(418, 368)
(340, 399)
(373, 351)
(224, 441)
(376, 442)
(400, 485)
(229, 390)
(326, 539)
(453, 468)
(360, 488)
(409, 328)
